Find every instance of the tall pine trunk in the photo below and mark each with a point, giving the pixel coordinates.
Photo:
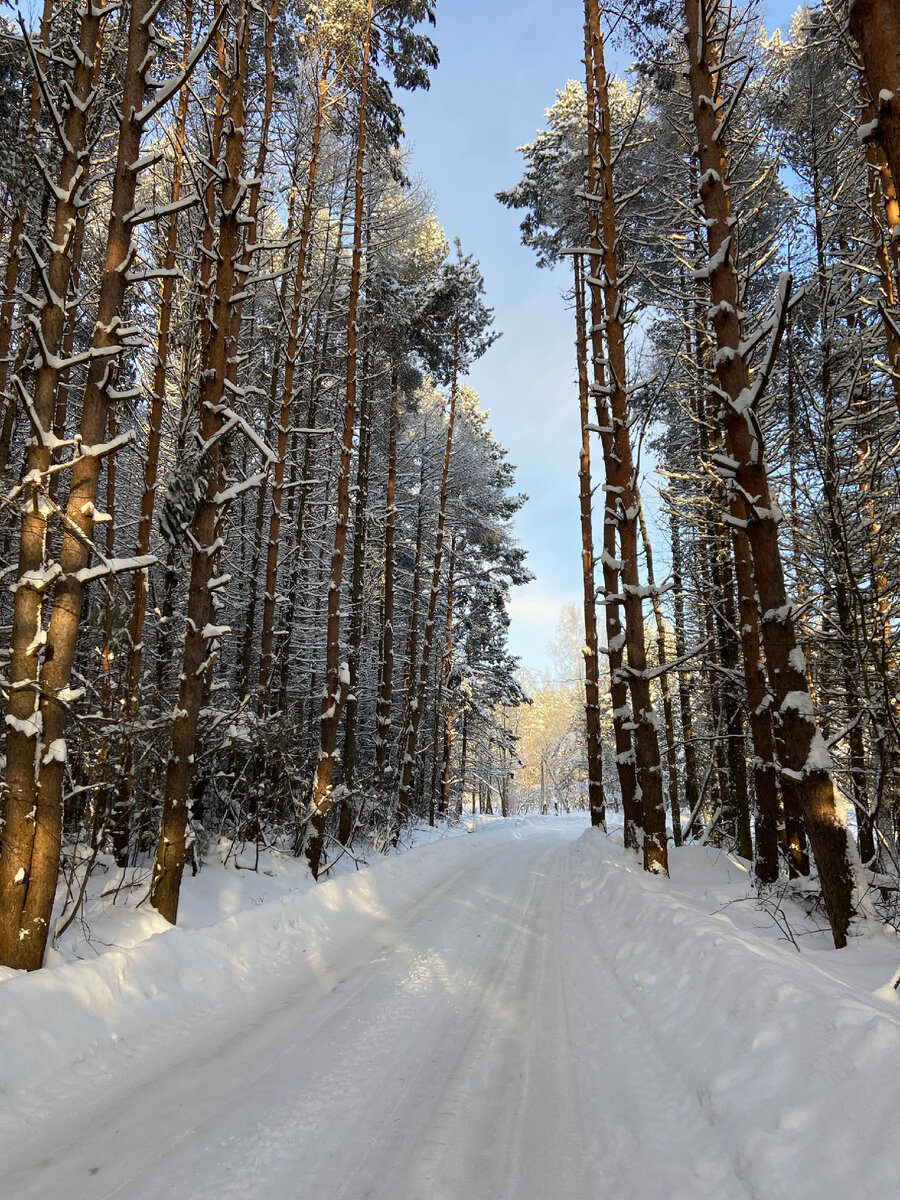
(386, 681)
(13, 253)
(691, 785)
(201, 635)
(334, 694)
(596, 797)
(665, 690)
(805, 763)
(419, 672)
(446, 671)
(607, 311)
(30, 858)
(875, 24)
(610, 567)
(357, 576)
(141, 580)
(287, 400)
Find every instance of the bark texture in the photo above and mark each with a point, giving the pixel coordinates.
(386, 681)
(875, 24)
(612, 599)
(36, 750)
(335, 692)
(292, 353)
(805, 765)
(201, 634)
(596, 797)
(607, 305)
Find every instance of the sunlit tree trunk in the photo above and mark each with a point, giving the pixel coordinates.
(201, 636)
(596, 798)
(31, 818)
(875, 24)
(607, 310)
(60, 415)
(612, 601)
(334, 694)
(36, 761)
(805, 763)
(132, 684)
(386, 682)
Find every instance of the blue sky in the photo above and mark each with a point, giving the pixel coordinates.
(501, 64)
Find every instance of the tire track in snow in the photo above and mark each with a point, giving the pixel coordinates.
(353, 1090)
(652, 1109)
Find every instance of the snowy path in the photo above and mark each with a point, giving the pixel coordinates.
(494, 1042)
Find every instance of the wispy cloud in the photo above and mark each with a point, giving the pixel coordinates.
(535, 611)
(537, 608)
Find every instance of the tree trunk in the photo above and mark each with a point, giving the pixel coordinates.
(16, 229)
(691, 786)
(201, 635)
(765, 781)
(612, 599)
(357, 574)
(68, 342)
(606, 309)
(287, 400)
(386, 683)
(141, 579)
(875, 24)
(418, 679)
(805, 763)
(665, 690)
(446, 669)
(335, 691)
(596, 797)
(732, 702)
(411, 646)
(43, 752)
(31, 817)
(721, 783)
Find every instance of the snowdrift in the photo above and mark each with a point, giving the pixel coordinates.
(791, 1047)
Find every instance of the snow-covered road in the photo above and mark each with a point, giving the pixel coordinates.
(491, 1041)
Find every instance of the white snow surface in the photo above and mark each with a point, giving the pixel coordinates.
(520, 1014)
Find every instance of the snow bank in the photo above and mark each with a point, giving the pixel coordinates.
(80, 1024)
(792, 1053)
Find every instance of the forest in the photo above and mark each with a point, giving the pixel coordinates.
(309, 883)
(258, 537)
(731, 220)
(257, 532)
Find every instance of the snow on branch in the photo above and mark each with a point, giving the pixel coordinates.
(729, 111)
(676, 663)
(114, 566)
(233, 420)
(750, 397)
(41, 78)
(167, 88)
(155, 212)
(231, 493)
